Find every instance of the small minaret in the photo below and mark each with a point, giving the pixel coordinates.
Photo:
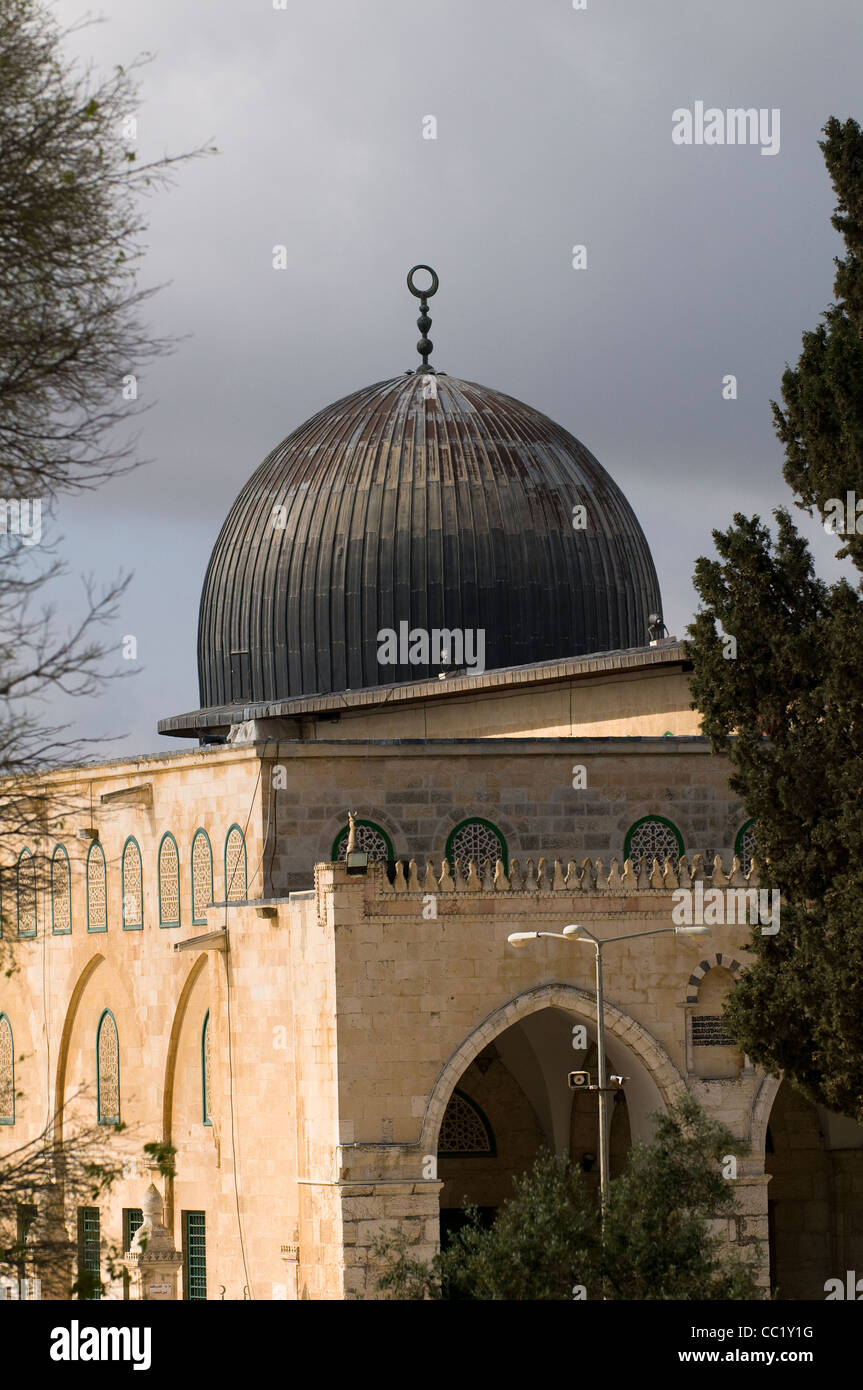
(153, 1260)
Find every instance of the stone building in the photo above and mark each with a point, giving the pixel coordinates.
(432, 607)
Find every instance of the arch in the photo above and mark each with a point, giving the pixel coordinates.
(236, 866)
(107, 1070)
(201, 873)
(477, 836)
(25, 893)
(97, 889)
(724, 962)
(169, 881)
(173, 1046)
(571, 999)
(65, 1041)
(373, 841)
(206, 1068)
(653, 838)
(61, 892)
(759, 1115)
(745, 844)
(132, 886)
(7, 1072)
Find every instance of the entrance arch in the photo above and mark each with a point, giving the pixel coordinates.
(654, 1084)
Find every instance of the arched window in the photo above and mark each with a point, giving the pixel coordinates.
(745, 845)
(206, 1069)
(97, 889)
(202, 875)
(656, 838)
(108, 1070)
(61, 892)
(236, 885)
(369, 837)
(465, 1131)
(714, 1050)
(26, 893)
(7, 1073)
(476, 839)
(169, 882)
(132, 882)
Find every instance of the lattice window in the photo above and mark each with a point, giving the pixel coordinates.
(746, 845)
(108, 1070)
(97, 889)
(369, 837)
(89, 1252)
(236, 885)
(202, 876)
(133, 887)
(206, 1068)
(195, 1254)
(61, 892)
(7, 1073)
(26, 887)
(475, 839)
(656, 839)
(465, 1129)
(169, 882)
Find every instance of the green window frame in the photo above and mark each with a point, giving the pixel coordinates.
(96, 854)
(194, 1256)
(205, 1070)
(236, 890)
(90, 1250)
(164, 919)
(7, 1074)
(25, 859)
(487, 825)
(369, 825)
(746, 827)
(60, 851)
(646, 820)
(132, 904)
(200, 837)
(107, 1018)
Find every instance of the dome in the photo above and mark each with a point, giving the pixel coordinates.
(418, 505)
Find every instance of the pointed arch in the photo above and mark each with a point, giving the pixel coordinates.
(201, 871)
(169, 881)
(25, 886)
(97, 889)
(132, 886)
(206, 1069)
(236, 867)
(61, 892)
(7, 1072)
(107, 1070)
(655, 1060)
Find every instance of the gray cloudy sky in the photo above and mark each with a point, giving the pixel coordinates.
(554, 128)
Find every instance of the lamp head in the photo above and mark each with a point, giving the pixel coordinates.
(572, 930)
(520, 939)
(692, 931)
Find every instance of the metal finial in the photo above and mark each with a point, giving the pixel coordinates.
(425, 345)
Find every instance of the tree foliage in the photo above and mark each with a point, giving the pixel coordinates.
(548, 1241)
(788, 711)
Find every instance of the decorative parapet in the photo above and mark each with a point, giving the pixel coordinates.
(547, 876)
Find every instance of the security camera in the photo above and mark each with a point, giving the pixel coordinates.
(618, 1080)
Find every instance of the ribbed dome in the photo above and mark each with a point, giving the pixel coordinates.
(449, 510)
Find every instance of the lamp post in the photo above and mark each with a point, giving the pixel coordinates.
(573, 932)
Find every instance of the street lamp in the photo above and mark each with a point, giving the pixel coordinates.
(577, 933)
